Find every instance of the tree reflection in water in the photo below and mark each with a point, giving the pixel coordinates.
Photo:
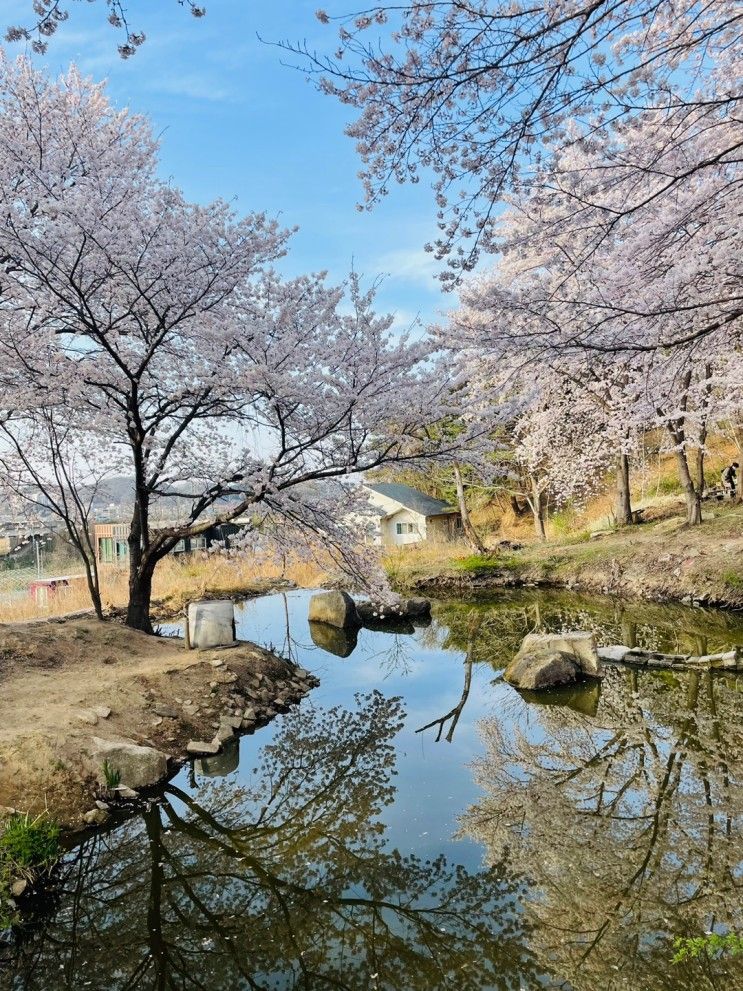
(284, 881)
(628, 825)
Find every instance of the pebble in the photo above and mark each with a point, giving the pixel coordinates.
(167, 711)
(124, 791)
(217, 662)
(18, 887)
(87, 717)
(102, 711)
(96, 817)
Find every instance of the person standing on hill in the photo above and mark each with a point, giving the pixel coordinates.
(729, 478)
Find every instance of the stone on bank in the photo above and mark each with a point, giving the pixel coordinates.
(138, 766)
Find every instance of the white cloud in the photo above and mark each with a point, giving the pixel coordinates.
(411, 265)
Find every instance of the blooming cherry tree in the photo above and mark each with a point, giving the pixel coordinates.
(178, 349)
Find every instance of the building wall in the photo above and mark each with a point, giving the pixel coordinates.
(412, 524)
(444, 527)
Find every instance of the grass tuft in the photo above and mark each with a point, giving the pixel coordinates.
(111, 775)
(28, 845)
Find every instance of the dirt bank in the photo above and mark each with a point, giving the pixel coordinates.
(664, 561)
(58, 678)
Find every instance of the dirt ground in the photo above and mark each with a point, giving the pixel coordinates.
(54, 673)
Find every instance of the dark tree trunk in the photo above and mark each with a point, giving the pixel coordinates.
(699, 465)
(691, 493)
(623, 506)
(473, 538)
(140, 596)
(91, 577)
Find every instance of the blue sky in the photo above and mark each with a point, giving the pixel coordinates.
(237, 123)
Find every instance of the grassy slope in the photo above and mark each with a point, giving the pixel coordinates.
(663, 560)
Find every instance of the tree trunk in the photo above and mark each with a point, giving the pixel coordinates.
(691, 493)
(473, 538)
(140, 595)
(91, 576)
(623, 505)
(538, 503)
(699, 465)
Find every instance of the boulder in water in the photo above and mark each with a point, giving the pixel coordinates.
(335, 609)
(542, 669)
(581, 646)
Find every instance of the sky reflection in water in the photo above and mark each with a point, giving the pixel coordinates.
(507, 845)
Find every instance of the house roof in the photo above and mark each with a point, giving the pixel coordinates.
(411, 498)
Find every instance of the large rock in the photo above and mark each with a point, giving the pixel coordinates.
(581, 646)
(374, 614)
(139, 767)
(335, 609)
(542, 669)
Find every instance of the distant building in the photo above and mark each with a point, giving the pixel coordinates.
(112, 546)
(407, 516)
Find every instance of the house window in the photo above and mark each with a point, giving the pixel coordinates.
(405, 528)
(179, 547)
(106, 550)
(399, 527)
(198, 543)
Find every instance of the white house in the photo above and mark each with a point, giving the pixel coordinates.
(407, 516)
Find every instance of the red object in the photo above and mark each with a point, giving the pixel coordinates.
(42, 589)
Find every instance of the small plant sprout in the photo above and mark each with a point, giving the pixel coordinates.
(111, 775)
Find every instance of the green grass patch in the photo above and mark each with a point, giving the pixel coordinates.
(28, 846)
(479, 564)
(733, 579)
(668, 485)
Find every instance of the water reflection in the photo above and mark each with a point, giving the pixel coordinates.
(596, 826)
(628, 825)
(284, 881)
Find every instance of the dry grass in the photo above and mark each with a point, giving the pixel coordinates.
(177, 581)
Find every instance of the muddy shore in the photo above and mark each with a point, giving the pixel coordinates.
(72, 688)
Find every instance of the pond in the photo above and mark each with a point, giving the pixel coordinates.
(418, 824)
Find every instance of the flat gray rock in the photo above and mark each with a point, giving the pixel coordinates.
(201, 747)
(139, 767)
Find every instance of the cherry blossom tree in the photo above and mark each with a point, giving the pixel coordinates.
(484, 94)
(44, 17)
(177, 347)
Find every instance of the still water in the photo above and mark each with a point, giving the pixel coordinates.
(418, 824)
